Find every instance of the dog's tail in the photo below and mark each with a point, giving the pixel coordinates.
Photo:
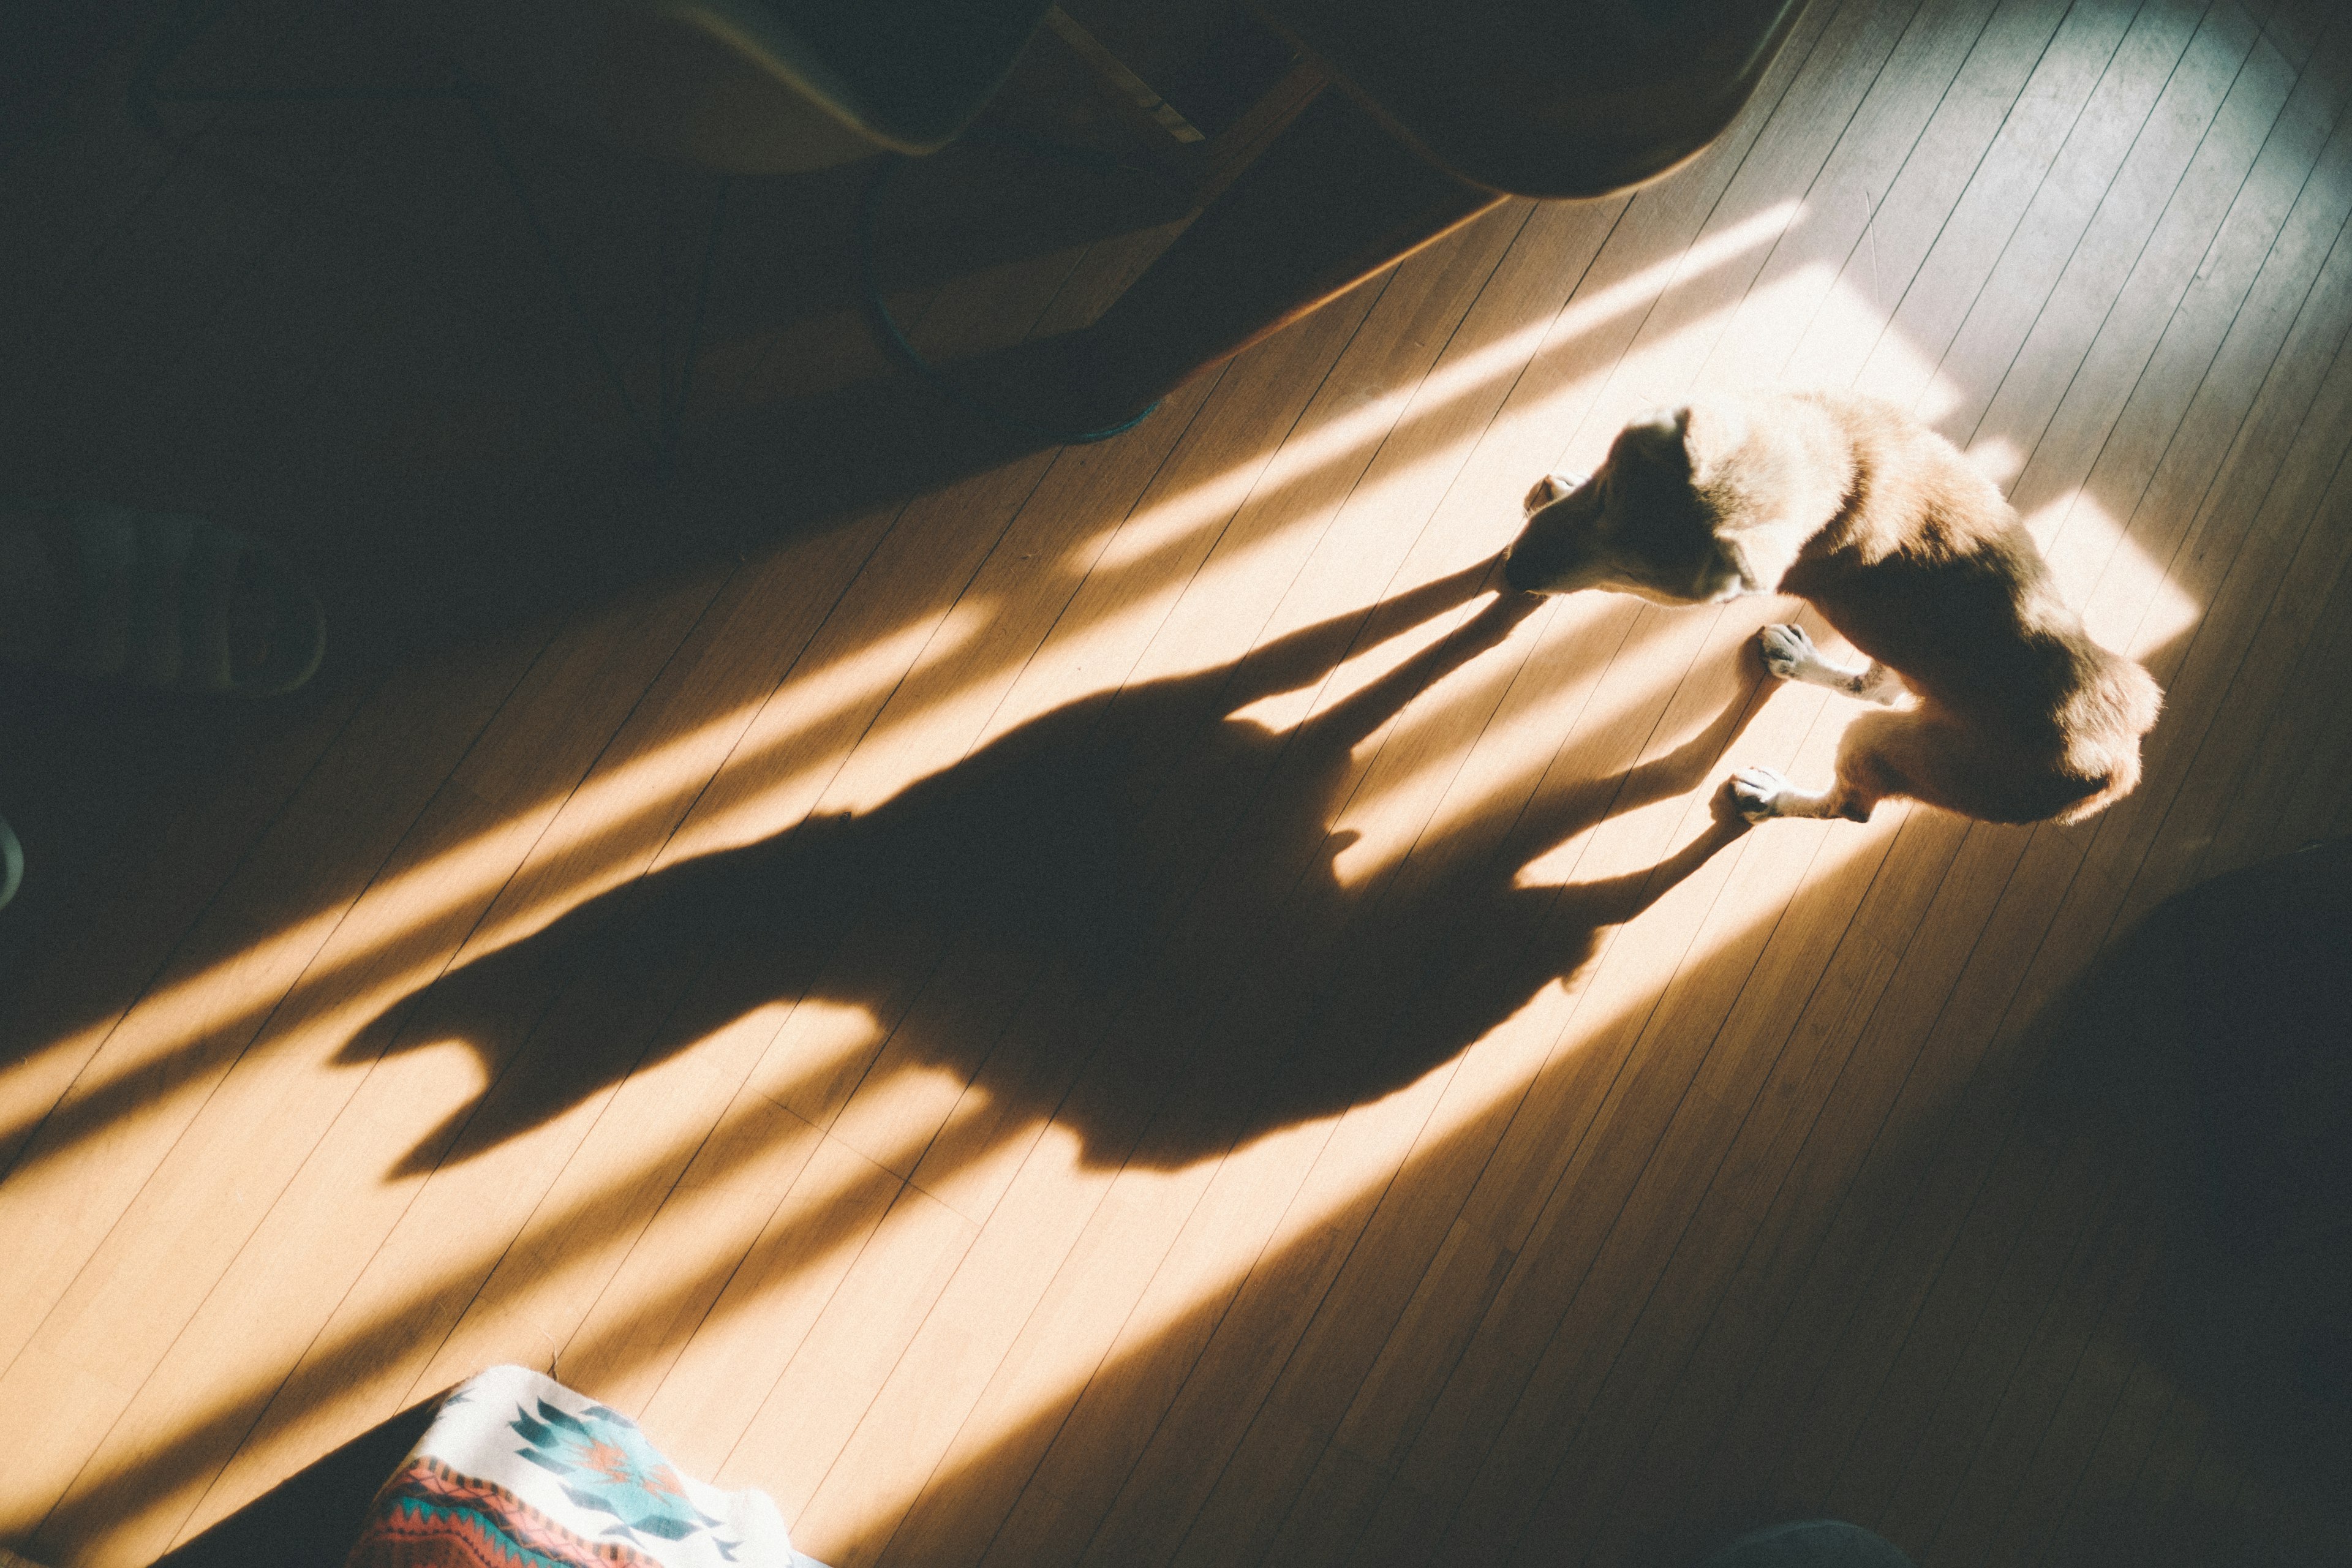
(2103, 723)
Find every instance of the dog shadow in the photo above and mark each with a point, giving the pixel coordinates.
(1077, 897)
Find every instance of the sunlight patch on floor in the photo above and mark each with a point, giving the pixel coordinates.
(1330, 1170)
(2125, 599)
(1565, 1016)
(602, 811)
(1362, 428)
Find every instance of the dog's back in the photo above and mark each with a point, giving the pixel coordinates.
(1929, 571)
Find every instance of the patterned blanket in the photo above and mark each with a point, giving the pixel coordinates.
(519, 1471)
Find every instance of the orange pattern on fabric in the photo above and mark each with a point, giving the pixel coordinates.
(430, 1516)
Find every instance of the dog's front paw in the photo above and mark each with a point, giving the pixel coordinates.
(1786, 650)
(1550, 489)
(1756, 792)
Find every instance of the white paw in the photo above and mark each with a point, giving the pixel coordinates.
(1756, 792)
(1550, 489)
(1788, 651)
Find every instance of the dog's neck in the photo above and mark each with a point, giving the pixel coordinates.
(1816, 481)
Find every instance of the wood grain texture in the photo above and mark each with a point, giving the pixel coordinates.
(1095, 1004)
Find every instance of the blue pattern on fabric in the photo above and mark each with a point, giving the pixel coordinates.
(605, 1465)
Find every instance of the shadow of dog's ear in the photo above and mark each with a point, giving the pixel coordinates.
(380, 1034)
(451, 1008)
(440, 1146)
(462, 1005)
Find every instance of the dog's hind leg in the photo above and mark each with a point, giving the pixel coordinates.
(1921, 753)
(1789, 654)
(1913, 752)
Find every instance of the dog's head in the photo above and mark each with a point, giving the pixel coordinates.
(1652, 520)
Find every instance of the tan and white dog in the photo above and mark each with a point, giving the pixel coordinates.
(1999, 706)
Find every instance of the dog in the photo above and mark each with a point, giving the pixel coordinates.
(1997, 705)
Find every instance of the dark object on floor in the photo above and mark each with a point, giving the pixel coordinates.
(2265, 960)
(1545, 99)
(2266, 988)
(312, 1518)
(1437, 111)
(749, 87)
(1810, 1543)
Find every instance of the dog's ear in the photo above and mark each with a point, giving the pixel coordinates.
(1656, 437)
(1548, 489)
(1711, 432)
(1659, 428)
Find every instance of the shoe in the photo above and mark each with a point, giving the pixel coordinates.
(174, 602)
(11, 863)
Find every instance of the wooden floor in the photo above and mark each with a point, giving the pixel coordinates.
(1039, 1005)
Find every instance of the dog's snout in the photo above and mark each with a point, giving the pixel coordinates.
(1551, 553)
(1517, 576)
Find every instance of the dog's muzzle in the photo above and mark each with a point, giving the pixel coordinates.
(1518, 575)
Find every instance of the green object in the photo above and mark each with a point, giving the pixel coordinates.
(154, 599)
(12, 869)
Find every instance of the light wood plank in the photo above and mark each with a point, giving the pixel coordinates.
(1484, 1158)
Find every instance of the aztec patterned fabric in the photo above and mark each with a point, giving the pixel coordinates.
(519, 1471)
